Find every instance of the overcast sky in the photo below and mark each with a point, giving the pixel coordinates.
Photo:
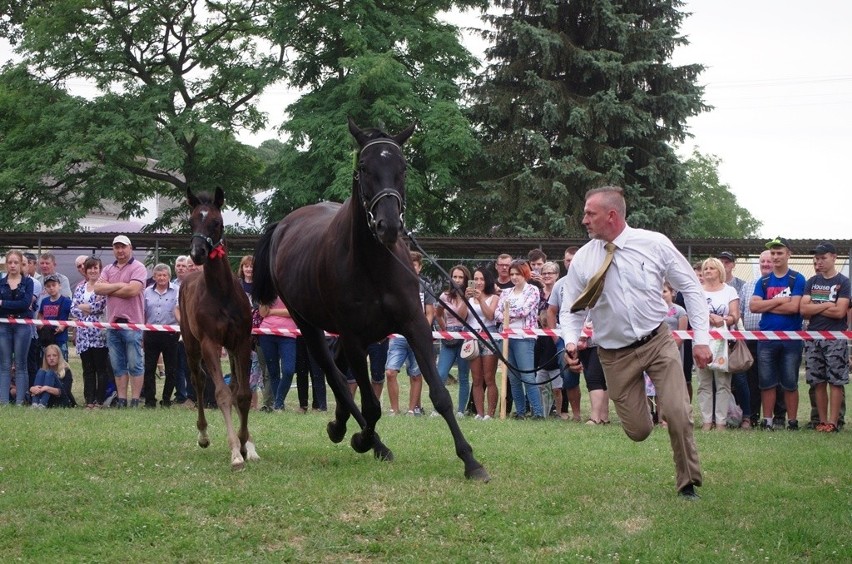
(779, 76)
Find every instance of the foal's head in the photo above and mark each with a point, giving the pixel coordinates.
(207, 227)
(381, 180)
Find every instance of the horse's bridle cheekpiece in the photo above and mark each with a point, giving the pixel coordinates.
(383, 193)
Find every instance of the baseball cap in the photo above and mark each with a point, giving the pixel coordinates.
(121, 240)
(823, 248)
(778, 242)
(728, 255)
(52, 278)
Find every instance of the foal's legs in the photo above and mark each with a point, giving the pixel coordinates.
(196, 374)
(211, 349)
(240, 361)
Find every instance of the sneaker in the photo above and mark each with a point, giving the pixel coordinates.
(418, 411)
(767, 426)
(792, 425)
(459, 414)
(134, 403)
(266, 409)
(109, 399)
(813, 425)
(119, 403)
(391, 413)
(486, 418)
(434, 414)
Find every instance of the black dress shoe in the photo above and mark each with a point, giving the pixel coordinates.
(688, 493)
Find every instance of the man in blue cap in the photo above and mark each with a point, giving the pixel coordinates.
(777, 297)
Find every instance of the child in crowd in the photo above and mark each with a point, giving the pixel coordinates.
(52, 387)
(55, 307)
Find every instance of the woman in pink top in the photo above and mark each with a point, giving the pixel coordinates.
(279, 351)
(521, 301)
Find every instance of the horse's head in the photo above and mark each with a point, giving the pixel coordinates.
(380, 180)
(207, 227)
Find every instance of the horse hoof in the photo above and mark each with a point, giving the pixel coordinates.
(383, 454)
(479, 474)
(238, 464)
(359, 444)
(335, 432)
(251, 452)
(204, 443)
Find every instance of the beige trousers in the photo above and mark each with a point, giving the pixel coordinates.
(659, 357)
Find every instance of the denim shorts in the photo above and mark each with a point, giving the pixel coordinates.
(778, 363)
(125, 352)
(400, 353)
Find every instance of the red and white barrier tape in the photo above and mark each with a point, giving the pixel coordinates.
(731, 335)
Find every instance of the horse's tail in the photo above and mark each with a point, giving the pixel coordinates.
(263, 289)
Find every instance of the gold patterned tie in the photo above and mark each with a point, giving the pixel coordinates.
(594, 288)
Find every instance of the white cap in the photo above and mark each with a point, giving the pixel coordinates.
(121, 240)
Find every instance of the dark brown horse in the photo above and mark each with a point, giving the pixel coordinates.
(345, 269)
(215, 313)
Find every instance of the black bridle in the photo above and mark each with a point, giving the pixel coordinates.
(370, 205)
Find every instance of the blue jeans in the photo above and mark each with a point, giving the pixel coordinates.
(183, 387)
(125, 352)
(280, 355)
(446, 358)
(14, 341)
(522, 356)
(778, 363)
(742, 393)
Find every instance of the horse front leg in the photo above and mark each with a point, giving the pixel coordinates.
(345, 405)
(212, 359)
(241, 387)
(371, 407)
(197, 375)
(420, 338)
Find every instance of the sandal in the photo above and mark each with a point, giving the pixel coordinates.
(594, 422)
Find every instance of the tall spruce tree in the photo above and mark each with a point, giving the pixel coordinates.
(383, 64)
(578, 93)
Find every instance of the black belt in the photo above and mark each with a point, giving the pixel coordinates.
(643, 340)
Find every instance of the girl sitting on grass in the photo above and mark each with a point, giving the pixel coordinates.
(52, 387)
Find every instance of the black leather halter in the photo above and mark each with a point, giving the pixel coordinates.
(370, 205)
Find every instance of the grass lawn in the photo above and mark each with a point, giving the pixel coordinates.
(131, 485)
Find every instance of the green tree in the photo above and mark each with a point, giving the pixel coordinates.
(715, 211)
(175, 80)
(578, 93)
(386, 65)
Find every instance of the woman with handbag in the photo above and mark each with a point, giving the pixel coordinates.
(483, 367)
(453, 298)
(522, 303)
(724, 304)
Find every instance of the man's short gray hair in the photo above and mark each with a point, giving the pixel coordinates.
(613, 197)
(163, 268)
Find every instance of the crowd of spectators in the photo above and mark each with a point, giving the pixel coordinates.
(121, 366)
